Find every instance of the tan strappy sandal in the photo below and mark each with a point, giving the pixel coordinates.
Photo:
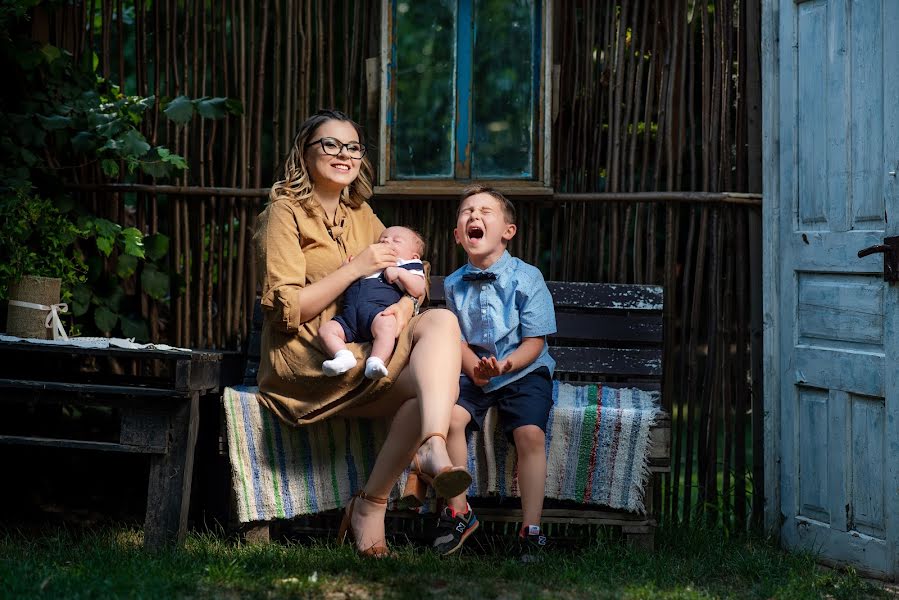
(448, 483)
(346, 527)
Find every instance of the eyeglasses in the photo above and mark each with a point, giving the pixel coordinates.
(333, 147)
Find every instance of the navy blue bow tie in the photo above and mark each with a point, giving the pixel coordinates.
(479, 276)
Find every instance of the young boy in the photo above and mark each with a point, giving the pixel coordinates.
(505, 312)
(361, 319)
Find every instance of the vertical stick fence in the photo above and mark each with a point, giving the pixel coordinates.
(657, 114)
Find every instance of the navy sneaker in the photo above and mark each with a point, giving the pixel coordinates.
(532, 544)
(453, 529)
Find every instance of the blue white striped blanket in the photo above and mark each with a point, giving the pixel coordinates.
(597, 453)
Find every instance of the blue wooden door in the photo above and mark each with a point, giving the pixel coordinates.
(831, 135)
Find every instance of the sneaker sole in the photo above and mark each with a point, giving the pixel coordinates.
(464, 537)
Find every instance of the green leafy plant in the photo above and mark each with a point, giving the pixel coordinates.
(37, 239)
(123, 254)
(60, 119)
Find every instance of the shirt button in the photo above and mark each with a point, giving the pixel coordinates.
(483, 286)
(483, 311)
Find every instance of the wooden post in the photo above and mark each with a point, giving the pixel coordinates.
(168, 493)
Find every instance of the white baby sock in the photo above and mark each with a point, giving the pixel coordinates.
(342, 362)
(374, 368)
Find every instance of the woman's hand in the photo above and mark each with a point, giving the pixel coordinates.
(376, 257)
(401, 311)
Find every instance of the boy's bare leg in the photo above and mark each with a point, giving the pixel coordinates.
(334, 340)
(458, 450)
(383, 332)
(530, 444)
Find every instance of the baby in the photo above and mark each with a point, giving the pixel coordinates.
(361, 319)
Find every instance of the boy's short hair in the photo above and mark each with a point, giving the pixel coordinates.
(505, 203)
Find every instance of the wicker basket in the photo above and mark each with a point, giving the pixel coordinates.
(28, 322)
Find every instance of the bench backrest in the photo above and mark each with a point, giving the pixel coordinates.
(606, 332)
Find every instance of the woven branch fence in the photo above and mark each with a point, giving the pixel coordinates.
(655, 162)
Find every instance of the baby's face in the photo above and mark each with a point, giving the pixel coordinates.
(403, 241)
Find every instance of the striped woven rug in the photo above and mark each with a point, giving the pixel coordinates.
(597, 443)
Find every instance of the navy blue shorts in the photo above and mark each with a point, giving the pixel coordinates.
(525, 401)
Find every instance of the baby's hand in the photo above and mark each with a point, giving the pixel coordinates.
(391, 274)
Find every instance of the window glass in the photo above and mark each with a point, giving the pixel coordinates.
(424, 107)
(503, 64)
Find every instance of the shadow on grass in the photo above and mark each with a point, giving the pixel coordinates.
(688, 563)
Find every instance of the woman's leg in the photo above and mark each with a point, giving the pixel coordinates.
(422, 399)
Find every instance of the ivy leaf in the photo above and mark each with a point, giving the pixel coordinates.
(180, 110)
(54, 122)
(105, 319)
(51, 53)
(83, 142)
(130, 144)
(154, 282)
(134, 242)
(126, 265)
(81, 299)
(135, 328)
(156, 246)
(105, 244)
(155, 168)
(212, 108)
(110, 167)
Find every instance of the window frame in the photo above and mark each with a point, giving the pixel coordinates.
(539, 184)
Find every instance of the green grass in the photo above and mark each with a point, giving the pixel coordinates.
(61, 563)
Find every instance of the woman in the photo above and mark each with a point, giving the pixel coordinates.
(316, 237)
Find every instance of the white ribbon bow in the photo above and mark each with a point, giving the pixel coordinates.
(59, 332)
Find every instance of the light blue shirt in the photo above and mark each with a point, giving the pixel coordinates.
(496, 315)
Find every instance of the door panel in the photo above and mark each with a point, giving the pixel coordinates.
(837, 139)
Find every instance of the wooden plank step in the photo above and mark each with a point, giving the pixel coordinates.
(20, 440)
(83, 389)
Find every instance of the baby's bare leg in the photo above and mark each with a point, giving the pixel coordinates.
(333, 337)
(383, 332)
(334, 340)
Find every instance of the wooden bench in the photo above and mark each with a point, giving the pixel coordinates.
(607, 333)
(151, 398)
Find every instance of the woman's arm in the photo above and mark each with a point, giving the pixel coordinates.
(316, 297)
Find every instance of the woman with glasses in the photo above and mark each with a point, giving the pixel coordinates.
(316, 237)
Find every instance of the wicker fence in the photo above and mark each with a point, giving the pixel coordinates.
(657, 113)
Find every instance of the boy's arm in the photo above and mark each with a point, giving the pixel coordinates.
(470, 362)
(526, 353)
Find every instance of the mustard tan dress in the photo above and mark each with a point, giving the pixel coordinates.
(294, 250)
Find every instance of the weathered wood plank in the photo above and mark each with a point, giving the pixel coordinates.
(20, 440)
(601, 327)
(608, 361)
(84, 389)
(168, 490)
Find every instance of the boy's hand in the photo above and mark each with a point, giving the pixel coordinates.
(391, 274)
(488, 368)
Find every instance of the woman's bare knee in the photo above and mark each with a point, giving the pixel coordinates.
(440, 320)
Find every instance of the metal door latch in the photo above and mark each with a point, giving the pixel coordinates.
(890, 250)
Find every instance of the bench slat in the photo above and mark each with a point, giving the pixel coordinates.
(600, 327)
(586, 296)
(608, 361)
